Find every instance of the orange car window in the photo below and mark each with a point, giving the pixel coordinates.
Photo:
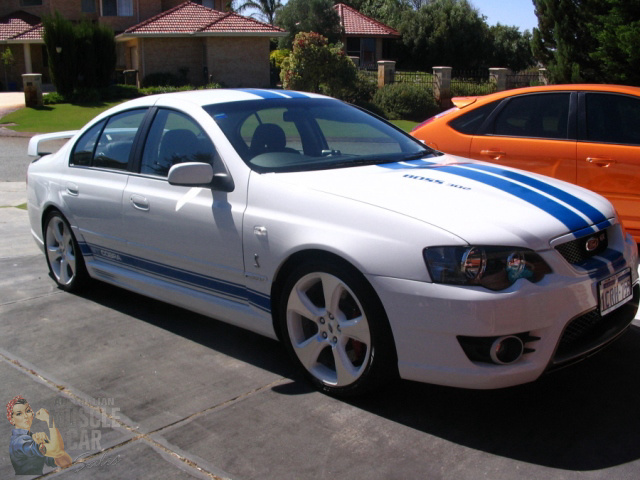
(539, 116)
(613, 118)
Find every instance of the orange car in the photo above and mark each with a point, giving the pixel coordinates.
(584, 134)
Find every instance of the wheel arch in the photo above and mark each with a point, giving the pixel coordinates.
(318, 255)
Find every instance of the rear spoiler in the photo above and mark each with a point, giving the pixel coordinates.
(462, 102)
(32, 149)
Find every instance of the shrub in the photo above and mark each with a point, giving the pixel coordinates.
(471, 89)
(53, 98)
(405, 101)
(316, 66)
(117, 92)
(163, 79)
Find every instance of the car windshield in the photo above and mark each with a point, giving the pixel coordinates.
(284, 135)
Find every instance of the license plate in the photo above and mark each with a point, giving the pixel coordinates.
(615, 291)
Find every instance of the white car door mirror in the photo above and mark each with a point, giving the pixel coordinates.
(191, 174)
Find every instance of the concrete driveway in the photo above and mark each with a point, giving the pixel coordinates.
(139, 389)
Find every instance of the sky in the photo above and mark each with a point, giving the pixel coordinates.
(508, 12)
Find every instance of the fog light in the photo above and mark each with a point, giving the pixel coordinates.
(506, 350)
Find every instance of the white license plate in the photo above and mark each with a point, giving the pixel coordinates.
(615, 291)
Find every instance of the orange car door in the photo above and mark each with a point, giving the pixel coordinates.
(533, 132)
(609, 152)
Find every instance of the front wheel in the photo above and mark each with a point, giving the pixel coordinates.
(63, 254)
(336, 330)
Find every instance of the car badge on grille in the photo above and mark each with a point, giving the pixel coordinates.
(593, 243)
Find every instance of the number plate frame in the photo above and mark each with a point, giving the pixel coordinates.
(614, 291)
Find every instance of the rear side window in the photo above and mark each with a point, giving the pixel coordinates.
(613, 119)
(108, 144)
(539, 116)
(471, 121)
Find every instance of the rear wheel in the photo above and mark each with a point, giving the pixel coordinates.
(63, 254)
(335, 329)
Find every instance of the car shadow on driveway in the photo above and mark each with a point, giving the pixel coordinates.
(584, 417)
(581, 418)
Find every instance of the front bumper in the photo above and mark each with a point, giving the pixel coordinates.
(559, 314)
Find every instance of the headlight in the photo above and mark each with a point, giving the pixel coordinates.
(495, 268)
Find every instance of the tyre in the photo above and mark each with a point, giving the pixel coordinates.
(63, 254)
(335, 329)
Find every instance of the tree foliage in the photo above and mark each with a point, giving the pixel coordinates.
(267, 9)
(510, 48)
(589, 40)
(309, 16)
(446, 32)
(81, 56)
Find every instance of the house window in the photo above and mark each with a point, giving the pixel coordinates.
(30, 3)
(88, 6)
(117, 8)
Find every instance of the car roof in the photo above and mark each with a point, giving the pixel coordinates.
(592, 87)
(224, 95)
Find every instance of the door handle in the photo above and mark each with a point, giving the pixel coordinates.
(72, 189)
(139, 202)
(602, 162)
(495, 154)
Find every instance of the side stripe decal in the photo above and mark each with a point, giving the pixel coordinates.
(211, 285)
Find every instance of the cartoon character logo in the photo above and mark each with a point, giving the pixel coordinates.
(30, 452)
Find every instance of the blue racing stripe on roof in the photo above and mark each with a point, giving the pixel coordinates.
(270, 94)
(594, 214)
(565, 215)
(260, 93)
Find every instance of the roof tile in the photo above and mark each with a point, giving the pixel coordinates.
(356, 23)
(16, 23)
(190, 17)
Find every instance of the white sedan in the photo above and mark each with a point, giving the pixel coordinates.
(367, 254)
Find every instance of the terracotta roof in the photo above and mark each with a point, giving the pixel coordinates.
(16, 23)
(358, 24)
(33, 33)
(191, 18)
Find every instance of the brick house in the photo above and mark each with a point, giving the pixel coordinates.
(196, 37)
(366, 38)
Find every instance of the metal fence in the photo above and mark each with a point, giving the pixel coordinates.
(518, 80)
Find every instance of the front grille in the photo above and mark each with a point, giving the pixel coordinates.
(576, 253)
(579, 328)
(590, 332)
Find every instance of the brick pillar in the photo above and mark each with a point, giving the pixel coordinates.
(386, 72)
(442, 86)
(499, 76)
(542, 76)
(32, 89)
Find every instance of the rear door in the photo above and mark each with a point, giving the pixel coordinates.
(609, 152)
(98, 174)
(534, 132)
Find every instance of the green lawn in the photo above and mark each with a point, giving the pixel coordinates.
(53, 118)
(405, 125)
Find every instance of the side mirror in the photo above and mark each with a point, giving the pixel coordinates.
(191, 174)
(197, 174)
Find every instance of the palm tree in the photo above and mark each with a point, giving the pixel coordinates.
(266, 8)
